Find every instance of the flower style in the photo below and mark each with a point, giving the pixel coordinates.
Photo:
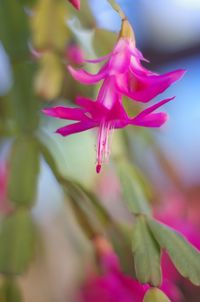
(107, 113)
(75, 3)
(124, 65)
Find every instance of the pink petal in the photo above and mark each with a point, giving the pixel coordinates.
(120, 124)
(151, 120)
(108, 95)
(87, 78)
(95, 108)
(74, 54)
(117, 112)
(108, 102)
(75, 3)
(65, 113)
(137, 53)
(148, 119)
(99, 59)
(120, 60)
(154, 107)
(119, 63)
(145, 87)
(135, 65)
(75, 128)
(171, 290)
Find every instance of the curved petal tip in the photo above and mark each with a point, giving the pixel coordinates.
(76, 3)
(48, 111)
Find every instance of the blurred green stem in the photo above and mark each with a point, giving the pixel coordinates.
(17, 231)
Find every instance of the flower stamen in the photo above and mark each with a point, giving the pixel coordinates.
(104, 143)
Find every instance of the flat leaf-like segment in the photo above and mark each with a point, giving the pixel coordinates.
(146, 254)
(155, 295)
(132, 191)
(10, 291)
(14, 29)
(184, 256)
(24, 169)
(17, 243)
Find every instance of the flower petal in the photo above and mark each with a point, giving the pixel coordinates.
(75, 3)
(148, 119)
(65, 113)
(136, 67)
(108, 95)
(137, 53)
(118, 112)
(87, 78)
(98, 60)
(95, 108)
(154, 107)
(120, 60)
(74, 54)
(119, 124)
(144, 87)
(75, 128)
(151, 120)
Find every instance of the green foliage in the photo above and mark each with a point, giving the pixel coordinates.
(45, 33)
(150, 237)
(133, 194)
(155, 295)
(23, 101)
(104, 41)
(185, 257)
(98, 208)
(14, 34)
(17, 242)
(85, 15)
(17, 231)
(89, 213)
(14, 30)
(50, 160)
(120, 235)
(27, 2)
(146, 253)
(24, 169)
(75, 189)
(9, 291)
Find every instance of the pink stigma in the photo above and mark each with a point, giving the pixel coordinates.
(98, 168)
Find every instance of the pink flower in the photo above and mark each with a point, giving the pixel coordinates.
(170, 288)
(3, 181)
(122, 74)
(130, 77)
(74, 54)
(5, 206)
(75, 3)
(107, 113)
(111, 285)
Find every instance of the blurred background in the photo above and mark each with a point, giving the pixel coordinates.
(167, 160)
